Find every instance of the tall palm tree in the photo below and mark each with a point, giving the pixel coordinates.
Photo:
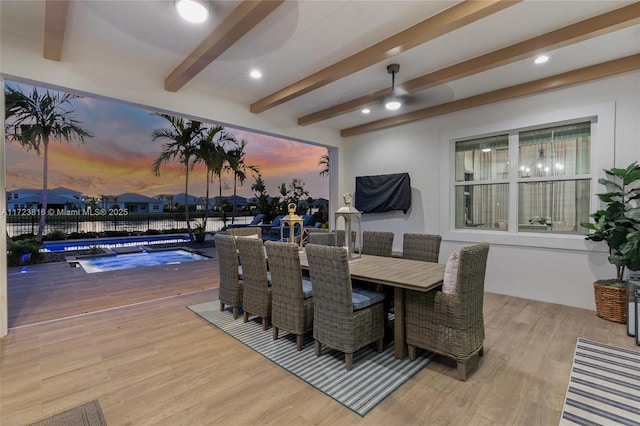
(239, 168)
(37, 118)
(212, 153)
(183, 144)
(324, 161)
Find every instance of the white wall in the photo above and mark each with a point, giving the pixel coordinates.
(559, 270)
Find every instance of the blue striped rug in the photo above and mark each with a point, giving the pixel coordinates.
(604, 386)
(374, 375)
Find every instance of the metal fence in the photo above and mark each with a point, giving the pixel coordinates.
(19, 223)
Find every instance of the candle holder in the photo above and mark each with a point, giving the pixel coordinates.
(291, 220)
(349, 215)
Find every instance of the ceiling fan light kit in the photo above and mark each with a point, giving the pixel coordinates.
(195, 11)
(393, 102)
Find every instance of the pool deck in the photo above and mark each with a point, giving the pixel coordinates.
(51, 291)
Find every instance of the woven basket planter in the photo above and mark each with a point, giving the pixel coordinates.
(611, 302)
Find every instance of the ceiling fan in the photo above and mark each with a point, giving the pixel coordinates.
(396, 99)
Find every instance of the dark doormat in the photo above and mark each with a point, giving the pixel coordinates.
(89, 414)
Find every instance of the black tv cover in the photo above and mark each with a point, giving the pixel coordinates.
(383, 193)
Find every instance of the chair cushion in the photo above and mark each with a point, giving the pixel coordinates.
(306, 220)
(307, 289)
(362, 298)
(248, 236)
(450, 282)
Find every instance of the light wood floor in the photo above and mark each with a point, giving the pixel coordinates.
(157, 363)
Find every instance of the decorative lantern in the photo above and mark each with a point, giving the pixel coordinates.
(349, 215)
(633, 285)
(292, 219)
(637, 319)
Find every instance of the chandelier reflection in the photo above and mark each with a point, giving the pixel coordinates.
(542, 166)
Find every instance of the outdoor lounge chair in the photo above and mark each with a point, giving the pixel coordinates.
(257, 220)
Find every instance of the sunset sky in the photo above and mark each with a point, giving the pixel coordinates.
(119, 158)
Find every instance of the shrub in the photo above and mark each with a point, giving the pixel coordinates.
(23, 252)
(56, 234)
(95, 250)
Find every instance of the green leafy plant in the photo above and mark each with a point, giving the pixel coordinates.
(56, 234)
(199, 232)
(619, 223)
(23, 252)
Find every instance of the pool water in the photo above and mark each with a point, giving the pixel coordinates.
(136, 260)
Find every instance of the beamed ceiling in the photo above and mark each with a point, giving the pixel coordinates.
(324, 61)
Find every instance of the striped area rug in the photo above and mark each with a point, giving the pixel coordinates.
(604, 386)
(374, 375)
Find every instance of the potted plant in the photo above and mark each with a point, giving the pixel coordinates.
(199, 233)
(619, 226)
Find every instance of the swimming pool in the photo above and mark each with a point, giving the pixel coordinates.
(135, 260)
(66, 245)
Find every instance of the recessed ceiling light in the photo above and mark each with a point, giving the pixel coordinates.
(194, 11)
(255, 74)
(486, 149)
(366, 111)
(541, 59)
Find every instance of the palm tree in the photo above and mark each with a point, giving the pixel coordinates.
(214, 157)
(37, 118)
(239, 169)
(184, 145)
(324, 162)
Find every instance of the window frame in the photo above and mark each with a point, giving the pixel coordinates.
(602, 117)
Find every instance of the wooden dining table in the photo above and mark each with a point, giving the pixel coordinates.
(400, 274)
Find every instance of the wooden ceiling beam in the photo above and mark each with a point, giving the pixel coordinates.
(589, 28)
(582, 75)
(444, 22)
(55, 24)
(240, 21)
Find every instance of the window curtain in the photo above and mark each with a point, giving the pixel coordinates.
(553, 152)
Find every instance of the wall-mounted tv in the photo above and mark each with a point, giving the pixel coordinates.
(383, 193)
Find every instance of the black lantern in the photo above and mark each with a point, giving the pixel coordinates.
(637, 316)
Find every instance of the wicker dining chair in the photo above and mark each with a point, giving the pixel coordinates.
(230, 284)
(256, 293)
(424, 247)
(291, 294)
(377, 243)
(451, 324)
(340, 320)
(245, 232)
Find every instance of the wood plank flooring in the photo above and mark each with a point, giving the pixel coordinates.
(157, 363)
